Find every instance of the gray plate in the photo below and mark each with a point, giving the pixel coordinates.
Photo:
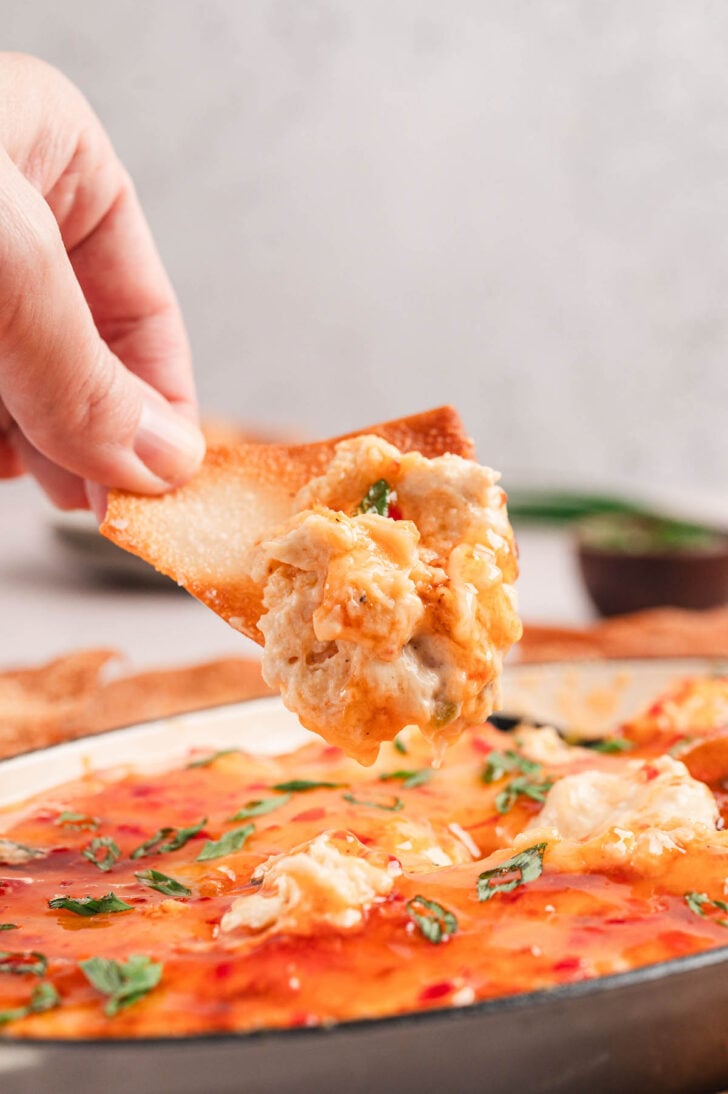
(661, 1028)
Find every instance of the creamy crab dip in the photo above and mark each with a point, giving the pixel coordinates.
(389, 597)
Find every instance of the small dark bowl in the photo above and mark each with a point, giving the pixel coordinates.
(629, 563)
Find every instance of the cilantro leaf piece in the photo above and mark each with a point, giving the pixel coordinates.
(518, 870)
(699, 902)
(167, 839)
(88, 905)
(103, 852)
(44, 997)
(21, 961)
(395, 807)
(8, 926)
(300, 786)
(376, 499)
(260, 807)
(445, 712)
(205, 761)
(231, 841)
(124, 982)
(409, 779)
(608, 745)
(522, 786)
(505, 763)
(436, 923)
(76, 821)
(400, 745)
(163, 883)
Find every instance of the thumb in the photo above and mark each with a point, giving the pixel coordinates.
(69, 395)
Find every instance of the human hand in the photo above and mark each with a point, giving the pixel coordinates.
(96, 386)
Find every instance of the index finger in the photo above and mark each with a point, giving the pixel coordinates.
(56, 141)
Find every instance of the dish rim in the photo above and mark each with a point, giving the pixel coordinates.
(659, 970)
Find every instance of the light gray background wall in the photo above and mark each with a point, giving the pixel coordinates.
(373, 206)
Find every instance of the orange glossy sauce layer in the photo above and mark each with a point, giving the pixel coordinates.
(554, 929)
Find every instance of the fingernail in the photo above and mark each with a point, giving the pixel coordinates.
(98, 497)
(171, 447)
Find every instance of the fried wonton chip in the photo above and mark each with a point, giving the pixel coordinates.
(659, 632)
(199, 533)
(35, 701)
(73, 696)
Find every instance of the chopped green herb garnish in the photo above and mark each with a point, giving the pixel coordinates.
(300, 786)
(167, 839)
(163, 883)
(23, 961)
(409, 779)
(698, 902)
(205, 761)
(376, 499)
(436, 923)
(124, 982)
(399, 744)
(259, 808)
(445, 712)
(524, 787)
(103, 852)
(231, 841)
(44, 997)
(89, 905)
(8, 926)
(505, 763)
(394, 807)
(518, 870)
(78, 821)
(608, 745)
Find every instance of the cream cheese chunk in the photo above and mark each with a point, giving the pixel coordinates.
(651, 794)
(375, 621)
(595, 819)
(332, 879)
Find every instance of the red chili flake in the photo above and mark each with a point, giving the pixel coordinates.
(310, 815)
(330, 752)
(437, 991)
(481, 746)
(131, 829)
(223, 970)
(568, 964)
(301, 1018)
(46, 814)
(650, 773)
(394, 512)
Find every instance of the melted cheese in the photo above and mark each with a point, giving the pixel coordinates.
(544, 745)
(634, 816)
(372, 624)
(329, 880)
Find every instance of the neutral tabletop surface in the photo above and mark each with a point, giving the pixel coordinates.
(52, 602)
